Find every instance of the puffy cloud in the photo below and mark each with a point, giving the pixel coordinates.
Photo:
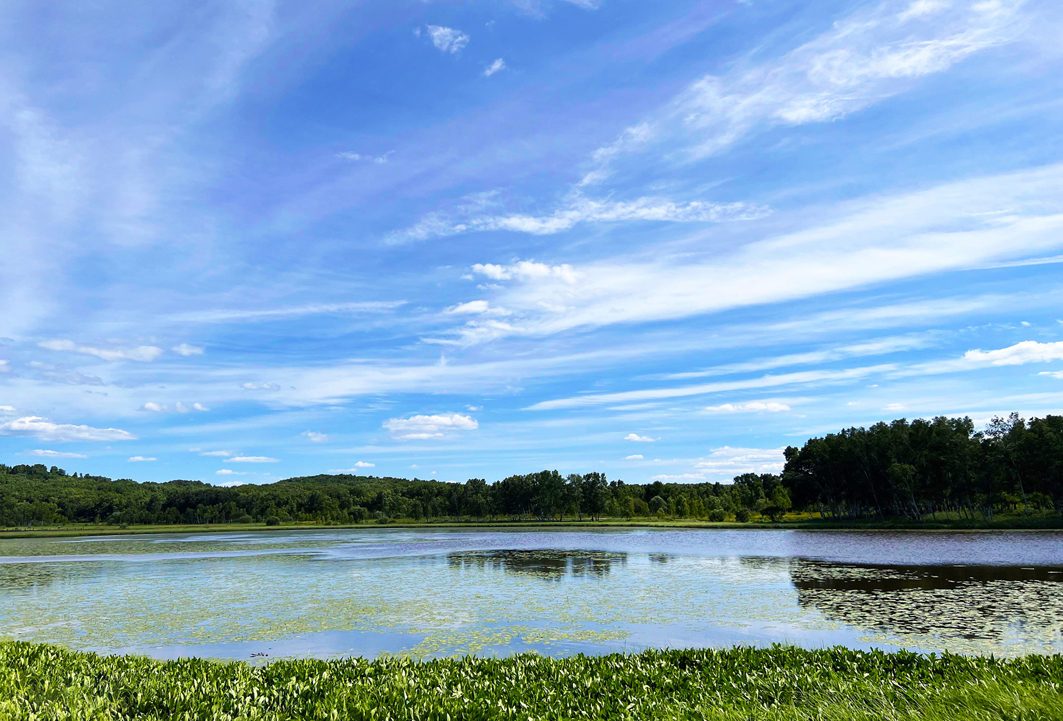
(474, 408)
(7, 409)
(496, 66)
(187, 350)
(1051, 374)
(229, 472)
(1029, 351)
(316, 437)
(251, 459)
(141, 459)
(46, 430)
(751, 407)
(355, 468)
(217, 454)
(447, 40)
(636, 457)
(153, 407)
(736, 461)
(434, 426)
(144, 353)
(200, 407)
(527, 270)
(56, 454)
(638, 438)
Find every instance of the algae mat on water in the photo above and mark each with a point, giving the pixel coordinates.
(46, 683)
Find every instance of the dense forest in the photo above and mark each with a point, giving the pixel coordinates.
(899, 469)
(928, 467)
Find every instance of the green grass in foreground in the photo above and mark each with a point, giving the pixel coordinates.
(43, 682)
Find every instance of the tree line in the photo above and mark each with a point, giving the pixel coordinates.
(926, 467)
(38, 495)
(900, 469)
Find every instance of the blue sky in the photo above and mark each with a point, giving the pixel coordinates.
(255, 239)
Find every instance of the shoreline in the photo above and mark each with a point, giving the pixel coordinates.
(1009, 526)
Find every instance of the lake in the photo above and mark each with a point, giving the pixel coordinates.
(442, 592)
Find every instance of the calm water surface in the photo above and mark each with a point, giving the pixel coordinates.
(430, 593)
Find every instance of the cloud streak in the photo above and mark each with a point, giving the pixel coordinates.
(46, 430)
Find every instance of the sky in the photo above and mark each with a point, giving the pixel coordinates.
(246, 240)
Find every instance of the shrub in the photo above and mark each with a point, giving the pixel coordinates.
(273, 521)
(742, 515)
(717, 515)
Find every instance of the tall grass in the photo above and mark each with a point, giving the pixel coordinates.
(42, 683)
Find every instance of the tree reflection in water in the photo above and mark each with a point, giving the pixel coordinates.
(975, 603)
(548, 564)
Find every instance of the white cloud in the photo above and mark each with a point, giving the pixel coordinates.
(579, 209)
(229, 472)
(261, 387)
(153, 407)
(7, 409)
(187, 350)
(420, 427)
(447, 40)
(144, 353)
(56, 454)
(474, 408)
(494, 67)
(141, 459)
(527, 270)
(871, 55)
(751, 407)
(200, 407)
(869, 241)
(217, 454)
(46, 430)
(231, 484)
(472, 307)
(894, 407)
(638, 438)
(360, 465)
(316, 437)
(636, 457)
(251, 459)
(356, 157)
(1029, 351)
(259, 314)
(4, 367)
(730, 462)
(1051, 374)
(768, 381)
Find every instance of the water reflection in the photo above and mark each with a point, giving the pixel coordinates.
(983, 603)
(548, 564)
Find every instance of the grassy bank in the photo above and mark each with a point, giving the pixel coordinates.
(1016, 522)
(46, 683)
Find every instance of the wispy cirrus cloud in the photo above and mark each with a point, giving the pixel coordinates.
(949, 227)
(251, 459)
(750, 407)
(497, 66)
(579, 209)
(447, 40)
(56, 454)
(233, 315)
(144, 353)
(863, 59)
(359, 466)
